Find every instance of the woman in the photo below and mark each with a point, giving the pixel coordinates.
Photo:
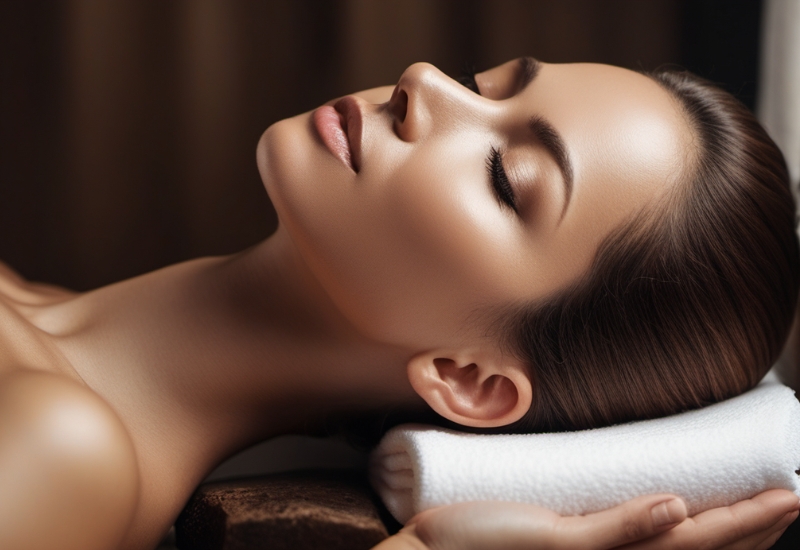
(438, 244)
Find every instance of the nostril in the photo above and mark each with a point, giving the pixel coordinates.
(399, 104)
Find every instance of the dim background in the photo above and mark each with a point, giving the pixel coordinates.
(128, 128)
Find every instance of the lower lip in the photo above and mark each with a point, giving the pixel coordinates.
(329, 126)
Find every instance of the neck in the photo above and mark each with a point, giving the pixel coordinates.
(222, 352)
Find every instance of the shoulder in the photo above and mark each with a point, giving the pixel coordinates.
(66, 462)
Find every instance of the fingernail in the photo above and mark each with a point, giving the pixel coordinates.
(666, 513)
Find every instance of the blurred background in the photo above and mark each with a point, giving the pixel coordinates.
(128, 128)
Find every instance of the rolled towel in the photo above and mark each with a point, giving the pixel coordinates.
(711, 457)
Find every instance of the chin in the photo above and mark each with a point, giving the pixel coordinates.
(304, 182)
(282, 156)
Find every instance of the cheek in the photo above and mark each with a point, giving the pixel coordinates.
(407, 249)
(430, 246)
(447, 217)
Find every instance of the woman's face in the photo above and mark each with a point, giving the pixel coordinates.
(418, 205)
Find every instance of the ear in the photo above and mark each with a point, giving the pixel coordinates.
(482, 390)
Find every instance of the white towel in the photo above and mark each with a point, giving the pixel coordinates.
(711, 457)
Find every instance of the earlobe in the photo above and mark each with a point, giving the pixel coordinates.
(473, 389)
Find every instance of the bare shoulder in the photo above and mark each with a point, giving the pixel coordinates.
(68, 470)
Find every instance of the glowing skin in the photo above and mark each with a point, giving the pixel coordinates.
(416, 241)
(368, 296)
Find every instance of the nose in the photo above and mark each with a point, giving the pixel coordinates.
(424, 99)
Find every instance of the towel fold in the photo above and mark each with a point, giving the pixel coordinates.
(711, 457)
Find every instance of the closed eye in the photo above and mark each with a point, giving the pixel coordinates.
(500, 185)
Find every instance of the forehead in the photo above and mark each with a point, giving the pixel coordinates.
(618, 124)
(627, 139)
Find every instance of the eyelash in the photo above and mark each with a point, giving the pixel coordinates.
(500, 184)
(494, 163)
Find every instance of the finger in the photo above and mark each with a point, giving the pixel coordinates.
(632, 521)
(771, 540)
(769, 543)
(724, 527)
(775, 532)
(727, 525)
(757, 539)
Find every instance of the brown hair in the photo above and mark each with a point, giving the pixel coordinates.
(686, 305)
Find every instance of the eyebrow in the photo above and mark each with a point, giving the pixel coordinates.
(546, 133)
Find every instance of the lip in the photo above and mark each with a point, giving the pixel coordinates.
(340, 128)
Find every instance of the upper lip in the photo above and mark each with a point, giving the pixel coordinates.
(352, 120)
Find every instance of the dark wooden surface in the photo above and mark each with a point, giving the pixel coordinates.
(334, 509)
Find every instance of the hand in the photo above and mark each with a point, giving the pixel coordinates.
(752, 523)
(513, 526)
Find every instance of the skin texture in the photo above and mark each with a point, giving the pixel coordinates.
(422, 224)
(370, 294)
(411, 246)
(751, 524)
(72, 463)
